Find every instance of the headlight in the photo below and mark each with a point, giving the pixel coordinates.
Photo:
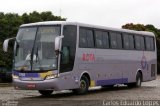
(15, 76)
(51, 76)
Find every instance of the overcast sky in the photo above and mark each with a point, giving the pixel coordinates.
(111, 13)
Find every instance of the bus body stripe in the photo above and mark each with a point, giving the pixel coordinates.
(111, 81)
(33, 75)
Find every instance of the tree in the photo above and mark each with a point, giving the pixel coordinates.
(137, 27)
(141, 27)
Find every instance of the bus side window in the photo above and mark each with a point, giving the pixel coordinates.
(68, 48)
(131, 42)
(126, 41)
(142, 43)
(65, 55)
(86, 39)
(98, 38)
(152, 44)
(113, 40)
(90, 40)
(105, 40)
(119, 41)
(82, 38)
(137, 42)
(149, 43)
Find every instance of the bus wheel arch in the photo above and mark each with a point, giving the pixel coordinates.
(88, 77)
(83, 85)
(138, 80)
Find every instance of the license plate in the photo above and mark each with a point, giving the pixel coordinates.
(31, 86)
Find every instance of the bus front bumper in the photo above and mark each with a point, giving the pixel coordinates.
(51, 84)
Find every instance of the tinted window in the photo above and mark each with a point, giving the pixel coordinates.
(113, 40)
(119, 41)
(137, 42)
(128, 41)
(89, 36)
(152, 43)
(149, 42)
(142, 43)
(125, 41)
(99, 39)
(105, 40)
(86, 39)
(82, 38)
(131, 41)
(68, 48)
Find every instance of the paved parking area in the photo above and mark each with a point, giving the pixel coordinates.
(96, 96)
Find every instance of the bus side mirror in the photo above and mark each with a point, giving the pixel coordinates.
(5, 44)
(58, 40)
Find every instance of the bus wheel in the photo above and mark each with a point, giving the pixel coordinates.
(45, 92)
(84, 85)
(138, 80)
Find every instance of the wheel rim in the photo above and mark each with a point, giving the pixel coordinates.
(83, 84)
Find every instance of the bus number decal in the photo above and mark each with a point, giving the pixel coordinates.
(88, 57)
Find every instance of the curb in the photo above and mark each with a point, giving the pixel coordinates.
(5, 84)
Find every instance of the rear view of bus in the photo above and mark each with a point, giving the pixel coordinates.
(52, 56)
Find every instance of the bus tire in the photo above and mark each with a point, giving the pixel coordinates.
(138, 81)
(45, 92)
(84, 86)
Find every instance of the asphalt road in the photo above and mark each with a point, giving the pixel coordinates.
(147, 95)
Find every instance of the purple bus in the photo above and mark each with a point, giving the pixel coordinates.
(60, 55)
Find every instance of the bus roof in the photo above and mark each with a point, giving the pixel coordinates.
(87, 25)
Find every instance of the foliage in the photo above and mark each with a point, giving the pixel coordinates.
(141, 27)
(9, 24)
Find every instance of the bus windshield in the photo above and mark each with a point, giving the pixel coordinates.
(34, 48)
